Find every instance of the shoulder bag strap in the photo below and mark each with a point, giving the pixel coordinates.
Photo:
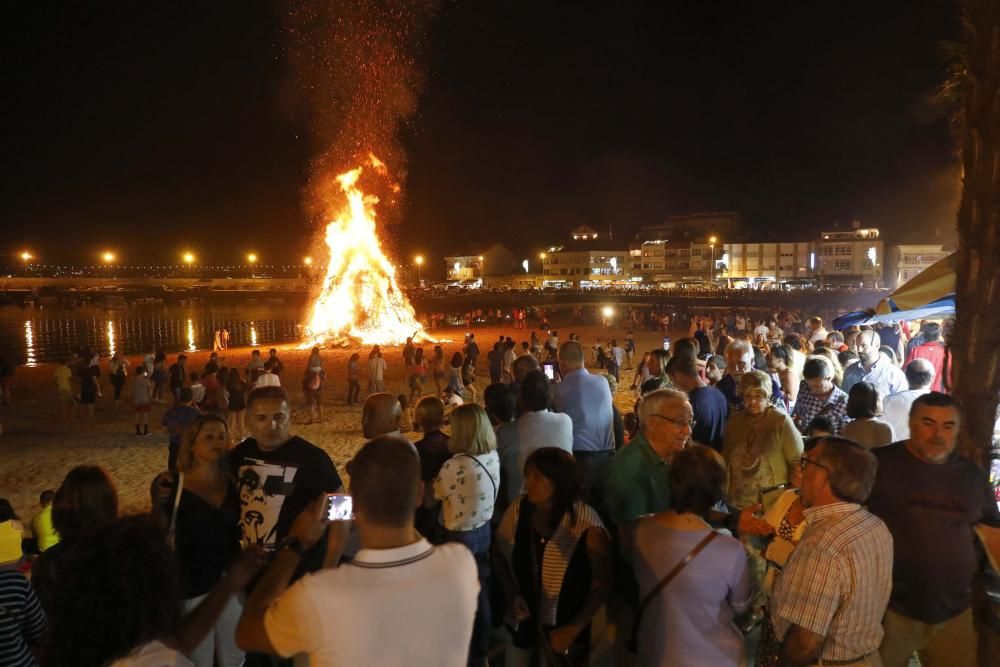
(172, 529)
(669, 577)
(488, 475)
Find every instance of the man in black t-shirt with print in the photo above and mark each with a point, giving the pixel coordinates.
(931, 499)
(278, 475)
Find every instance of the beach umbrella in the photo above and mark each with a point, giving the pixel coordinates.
(943, 307)
(934, 283)
(850, 319)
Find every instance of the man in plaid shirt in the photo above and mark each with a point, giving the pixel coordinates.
(819, 396)
(830, 598)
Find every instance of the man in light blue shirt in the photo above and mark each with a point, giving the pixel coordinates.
(874, 367)
(586, 398)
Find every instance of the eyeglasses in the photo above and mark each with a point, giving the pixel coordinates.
(679, 422)
(805, 461)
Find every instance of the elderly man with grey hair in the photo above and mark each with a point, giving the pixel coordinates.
(896, 407)
(830, 597)
(873, 367)
(637, 482)
(739, 360)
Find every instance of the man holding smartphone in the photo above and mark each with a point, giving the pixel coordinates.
(362, 612)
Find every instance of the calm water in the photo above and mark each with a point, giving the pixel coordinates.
(47, 333)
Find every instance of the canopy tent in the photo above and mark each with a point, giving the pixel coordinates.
(929, 294)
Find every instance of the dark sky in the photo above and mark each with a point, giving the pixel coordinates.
(153, 127)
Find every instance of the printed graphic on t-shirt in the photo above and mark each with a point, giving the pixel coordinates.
(263, 488)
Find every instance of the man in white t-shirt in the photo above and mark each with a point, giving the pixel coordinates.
(401, 601)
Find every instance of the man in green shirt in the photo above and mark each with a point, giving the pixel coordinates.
(638, 482)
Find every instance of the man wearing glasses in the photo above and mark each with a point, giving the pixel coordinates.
(638, 482)
(931, 498)
(830, 598)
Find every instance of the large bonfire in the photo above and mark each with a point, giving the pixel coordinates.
(360, 301)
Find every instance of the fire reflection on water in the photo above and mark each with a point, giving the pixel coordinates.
(112, 350)
(29, 344)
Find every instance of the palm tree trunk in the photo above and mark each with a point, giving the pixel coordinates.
(975, 342)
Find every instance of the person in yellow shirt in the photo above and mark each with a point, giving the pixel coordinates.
(63, 376)
(41, 524)
(11, 534)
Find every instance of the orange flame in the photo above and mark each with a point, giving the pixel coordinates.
(360, 300)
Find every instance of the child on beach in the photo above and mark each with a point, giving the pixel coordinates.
(142, 396)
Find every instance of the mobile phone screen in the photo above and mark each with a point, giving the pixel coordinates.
(550, 371)
(339, 507)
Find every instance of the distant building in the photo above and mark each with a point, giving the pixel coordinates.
(907, 261)
(777, 262)
(854, 257)
(494, 261)
(694, 226)
(588, 259)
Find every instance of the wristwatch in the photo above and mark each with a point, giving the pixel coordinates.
(292, 544)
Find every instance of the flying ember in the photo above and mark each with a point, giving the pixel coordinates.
(360, 300)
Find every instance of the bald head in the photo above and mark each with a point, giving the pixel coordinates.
(570, 356)
(380, 415)
(919, 374)
(868, 343)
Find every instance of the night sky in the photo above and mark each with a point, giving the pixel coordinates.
(155, 127)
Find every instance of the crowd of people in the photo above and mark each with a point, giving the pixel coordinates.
(778, 494)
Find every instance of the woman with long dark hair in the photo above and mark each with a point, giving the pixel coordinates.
(550, 531)
(121, 609)
(84, 505)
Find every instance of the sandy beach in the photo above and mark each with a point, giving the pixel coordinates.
(38, 448)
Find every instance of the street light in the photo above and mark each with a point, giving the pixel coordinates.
(482, 271)
(419, 259)
(189, 260)
(307, 260)
(26, 257)
(252, 259)
(711, 267)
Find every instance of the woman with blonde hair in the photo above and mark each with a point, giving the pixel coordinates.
(761, 445)
(832, 357)
(202, 508)
(467, 487)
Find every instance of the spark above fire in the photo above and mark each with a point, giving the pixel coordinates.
(360, 301)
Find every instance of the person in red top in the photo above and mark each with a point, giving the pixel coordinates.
(932, 349)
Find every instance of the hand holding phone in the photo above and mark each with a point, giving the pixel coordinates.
(339, 507)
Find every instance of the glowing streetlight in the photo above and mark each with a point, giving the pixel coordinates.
(542, 256)
(482, 271)
(188, 258)
(251, 260)
(108, 257)
(419, 259)
(26, 257)
(711, 267)
(307, 260)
